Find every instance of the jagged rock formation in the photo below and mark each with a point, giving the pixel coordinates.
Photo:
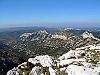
(81, 61)
(34, 36)
(45, 60)
(40, 65)
(86, 35)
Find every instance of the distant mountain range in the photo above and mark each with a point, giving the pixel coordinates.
(90, 27)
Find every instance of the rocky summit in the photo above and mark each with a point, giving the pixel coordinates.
(81, 61)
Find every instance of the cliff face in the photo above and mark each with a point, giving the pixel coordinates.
(81, 61)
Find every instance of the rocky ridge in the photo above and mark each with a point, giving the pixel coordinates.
(81, 61)
(56, 43)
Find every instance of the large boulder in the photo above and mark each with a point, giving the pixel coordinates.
(44, 60)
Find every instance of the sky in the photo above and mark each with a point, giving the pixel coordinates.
(28, 12)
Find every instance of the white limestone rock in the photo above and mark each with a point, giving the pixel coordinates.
(13, 72)
(44, 60)
(81, 70)
(25, 35)
(95, 47)
(59, 37)
(87, 65)
(87, 35)
(36, 71)
(52, 71)
(64, 62)
(23, 65)
(71, 54)
(33, 61)
(43, 32)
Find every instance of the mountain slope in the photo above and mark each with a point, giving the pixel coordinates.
(32, 44)
(75, 62)
(54, 44)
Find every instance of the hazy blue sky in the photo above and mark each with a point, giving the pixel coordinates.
(16, 12)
